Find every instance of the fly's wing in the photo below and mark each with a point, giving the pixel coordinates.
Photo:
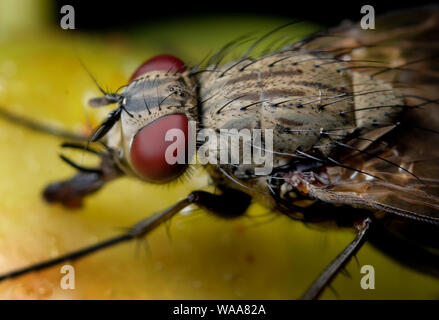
(399, 160)
(403, 46)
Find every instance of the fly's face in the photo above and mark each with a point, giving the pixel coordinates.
(159, 97)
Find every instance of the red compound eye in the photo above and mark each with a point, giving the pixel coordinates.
(148, 150)
(164, 62)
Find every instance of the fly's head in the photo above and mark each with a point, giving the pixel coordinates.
(159, 97)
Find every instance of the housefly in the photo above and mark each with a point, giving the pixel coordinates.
(354, 123)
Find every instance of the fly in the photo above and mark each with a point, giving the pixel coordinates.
(354, 120)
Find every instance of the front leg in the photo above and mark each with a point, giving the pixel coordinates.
(229, 204)
(71, 192)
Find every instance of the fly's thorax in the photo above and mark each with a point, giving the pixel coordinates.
(147, 99)
(307, 100)
(287, 92)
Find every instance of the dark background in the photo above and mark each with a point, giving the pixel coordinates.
(109, 15)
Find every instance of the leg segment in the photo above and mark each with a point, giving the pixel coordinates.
(338, 263)
(217, 204)
(71, 192)
(33, 125)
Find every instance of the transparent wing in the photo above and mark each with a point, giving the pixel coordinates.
(400, 159)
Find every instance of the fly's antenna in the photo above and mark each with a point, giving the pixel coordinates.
(91, 75)
(108, 96)
(107, 99)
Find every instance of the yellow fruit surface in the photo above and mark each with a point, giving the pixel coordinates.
(198, 256)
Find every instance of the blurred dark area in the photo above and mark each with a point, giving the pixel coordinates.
(109, 15)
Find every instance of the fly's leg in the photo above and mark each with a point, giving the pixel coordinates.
(230, 204)
(338, 263)
(216, 204)
(40, 127)
(71, 192)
